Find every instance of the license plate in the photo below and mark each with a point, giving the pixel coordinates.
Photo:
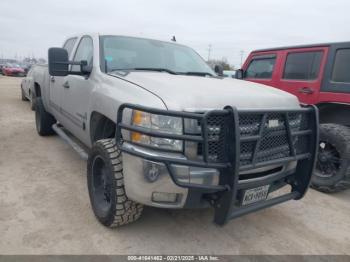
(255, 194)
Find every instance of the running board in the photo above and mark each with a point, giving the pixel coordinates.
(59, 130)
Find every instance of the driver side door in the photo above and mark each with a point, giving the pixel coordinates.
(56, 84)
(77, 90)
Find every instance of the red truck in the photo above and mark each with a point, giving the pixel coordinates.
(319, 75)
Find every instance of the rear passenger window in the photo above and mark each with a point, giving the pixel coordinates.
(302, 66)
(341, 68)
(69, 44)
(261, 68)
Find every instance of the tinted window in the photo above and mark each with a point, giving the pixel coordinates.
(341, 69)
(261, 68)
(69, 44)
(302, 66)
(84, 52)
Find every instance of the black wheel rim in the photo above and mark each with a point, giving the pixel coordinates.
(329, 161)
(101, 185)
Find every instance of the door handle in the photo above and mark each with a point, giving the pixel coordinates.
(66, 85)
(52, 79)
(306, 90)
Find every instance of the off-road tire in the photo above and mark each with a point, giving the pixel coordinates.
(339, 137)
(23, 97)
(43, 119)
(121, 210)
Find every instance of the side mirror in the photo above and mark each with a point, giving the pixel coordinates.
(239, 74)
(85, 68)
(58, 61)
(219, 70)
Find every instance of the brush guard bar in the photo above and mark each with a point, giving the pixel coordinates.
(231, 157)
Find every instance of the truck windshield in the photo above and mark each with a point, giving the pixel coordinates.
(130, 53)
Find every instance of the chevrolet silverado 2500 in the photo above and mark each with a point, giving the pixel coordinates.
(159, 128)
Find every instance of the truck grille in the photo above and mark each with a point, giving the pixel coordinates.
(216, 138)
(264, 136)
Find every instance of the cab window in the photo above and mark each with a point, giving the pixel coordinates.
(69, 44)
(302, 65)
(261, 67)
(84, 52)
(341, 68)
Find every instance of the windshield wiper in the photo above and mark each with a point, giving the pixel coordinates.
(198, 74)
(156, 69)
(159, 69)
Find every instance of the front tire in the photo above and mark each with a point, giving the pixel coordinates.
(332, 171)
(105, 179)
(43, 119)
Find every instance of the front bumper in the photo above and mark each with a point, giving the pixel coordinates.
(231, 161)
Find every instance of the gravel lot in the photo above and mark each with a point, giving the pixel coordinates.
(44, 207)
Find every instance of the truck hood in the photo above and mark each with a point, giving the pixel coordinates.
(192, 93)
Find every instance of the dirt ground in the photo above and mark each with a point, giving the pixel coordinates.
(45, 209)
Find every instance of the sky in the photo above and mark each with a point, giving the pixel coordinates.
(232, 28)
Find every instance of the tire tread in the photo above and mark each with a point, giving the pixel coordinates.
(344, 133)
(46, 119)
(126, 210)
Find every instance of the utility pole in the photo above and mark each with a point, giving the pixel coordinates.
(209, 51)
(242, 53)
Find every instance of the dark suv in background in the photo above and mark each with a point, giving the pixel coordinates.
(319, 75)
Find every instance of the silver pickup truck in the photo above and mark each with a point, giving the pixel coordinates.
(159, 128)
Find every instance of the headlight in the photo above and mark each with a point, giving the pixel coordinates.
(159, 123)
